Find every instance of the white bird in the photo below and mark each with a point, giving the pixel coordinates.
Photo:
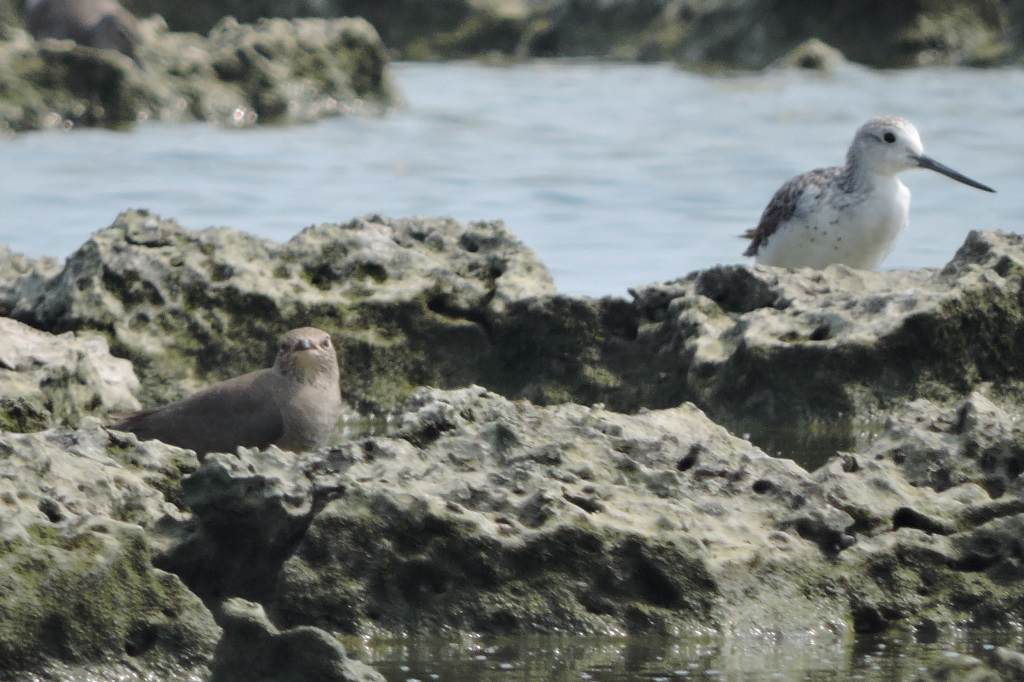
(852, 214)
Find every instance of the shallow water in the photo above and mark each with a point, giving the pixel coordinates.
(678, 659)
(616, 174)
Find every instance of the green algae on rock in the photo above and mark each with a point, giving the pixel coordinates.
(404, 300)
(478, 514)
(483, 515)
(274, 71)
(803, 361)
(78, 585)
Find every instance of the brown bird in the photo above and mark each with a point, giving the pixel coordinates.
(94, 23)
(294, 405)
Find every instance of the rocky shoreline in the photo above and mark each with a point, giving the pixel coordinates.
(575, 466)
(697, 34)
(277, 68)
(273, 71)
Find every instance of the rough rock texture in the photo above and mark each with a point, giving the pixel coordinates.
(77, 583)
(702, 33)
(804, 361)
(251, 509)
(476, 513)
(939, 501)
(253, 649)
(405, 301)
(753, 33)
(833, 351)
(274, 71)
(480, 514)
(47, 380)
(484, 515)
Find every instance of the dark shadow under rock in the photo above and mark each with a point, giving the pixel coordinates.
(251, 510)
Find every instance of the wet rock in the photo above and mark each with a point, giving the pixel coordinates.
(46, 380)
(253, 649)
(78, 585)
(484, 515)
(939, 516)
(274, 71)
(406, 301)
(250, 510)
(950, 666)
(805, 362)
(1008, 661)
(832, 351)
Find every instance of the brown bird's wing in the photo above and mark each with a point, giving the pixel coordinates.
(240, 411)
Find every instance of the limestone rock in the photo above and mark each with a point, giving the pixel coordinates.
(484, 515)
(939, 511)
(253, 649)
(47, 380)
(406, 301)
(78, 585)
(805, 362)
(251, 510)
(834, 350)
(274, 71)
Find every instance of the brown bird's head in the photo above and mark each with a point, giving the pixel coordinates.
(308, 356)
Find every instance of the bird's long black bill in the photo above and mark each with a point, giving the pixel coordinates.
(931, 164)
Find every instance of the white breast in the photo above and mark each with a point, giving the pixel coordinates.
(857, 229)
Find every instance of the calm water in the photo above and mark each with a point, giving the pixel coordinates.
(894, 658)
(617, 175)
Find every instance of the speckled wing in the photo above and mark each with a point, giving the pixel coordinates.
(784, 204)
(241, 411)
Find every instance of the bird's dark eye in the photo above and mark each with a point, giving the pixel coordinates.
(889, 137)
